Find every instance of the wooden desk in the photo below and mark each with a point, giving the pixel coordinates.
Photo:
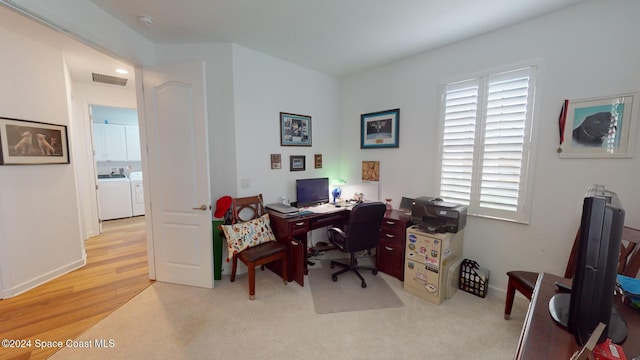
(542, 338)
(293, 231)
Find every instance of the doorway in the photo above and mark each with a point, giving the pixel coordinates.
(118, 162)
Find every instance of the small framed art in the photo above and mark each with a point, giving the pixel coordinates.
(24, 142)
(276, 161)
(317, 160)
(296, 163)
(380, 129)
(598, 127)
(295, 130)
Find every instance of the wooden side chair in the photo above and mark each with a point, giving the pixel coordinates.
(251, 240)
(525, 281)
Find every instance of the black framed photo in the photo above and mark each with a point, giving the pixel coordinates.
(297, 163)
(25, 142)
(295, 130)
(380, 129)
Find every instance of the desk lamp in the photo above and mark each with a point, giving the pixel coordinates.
(336, 192)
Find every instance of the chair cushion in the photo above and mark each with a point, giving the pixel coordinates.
(257, 252)
(246, 234)
(526, 278)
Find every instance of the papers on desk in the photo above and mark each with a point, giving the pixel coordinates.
(324, 208)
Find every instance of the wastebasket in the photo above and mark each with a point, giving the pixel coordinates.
(217, 249)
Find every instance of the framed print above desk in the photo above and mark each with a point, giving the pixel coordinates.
(295, 130)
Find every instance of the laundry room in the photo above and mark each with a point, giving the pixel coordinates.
(116, 143)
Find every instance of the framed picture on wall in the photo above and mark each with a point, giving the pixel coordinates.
(24, 142)
(296, 163)
(380, 129)
(276, 161)
(598, 127)
(295, 130)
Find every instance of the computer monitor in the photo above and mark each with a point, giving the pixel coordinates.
(311, 192)
(592, 290)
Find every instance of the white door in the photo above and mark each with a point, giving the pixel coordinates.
(177, 162)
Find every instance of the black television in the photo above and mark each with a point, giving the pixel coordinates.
(310, 192)
(591, 298)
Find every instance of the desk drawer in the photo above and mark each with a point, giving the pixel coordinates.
(390, 257)
(393, 244)
(393, 227)
(298, 227)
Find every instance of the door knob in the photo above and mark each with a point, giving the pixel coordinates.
(202, 207)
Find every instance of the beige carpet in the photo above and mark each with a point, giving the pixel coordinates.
(347, 294)
(169, 321)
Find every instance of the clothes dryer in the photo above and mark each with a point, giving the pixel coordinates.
(137, 193)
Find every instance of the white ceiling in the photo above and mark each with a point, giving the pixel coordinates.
(335, 37)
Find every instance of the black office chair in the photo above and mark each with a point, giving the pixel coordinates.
(361, 233)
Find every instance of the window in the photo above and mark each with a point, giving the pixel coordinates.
(485, 143)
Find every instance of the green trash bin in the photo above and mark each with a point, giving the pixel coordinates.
(217, 249)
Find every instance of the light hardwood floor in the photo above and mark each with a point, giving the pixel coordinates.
(67, 306)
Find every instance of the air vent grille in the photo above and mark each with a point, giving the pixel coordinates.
(108, 79)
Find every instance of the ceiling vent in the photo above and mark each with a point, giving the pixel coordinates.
(108, 79)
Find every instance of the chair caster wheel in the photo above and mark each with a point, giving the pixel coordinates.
(335, 278)
(374, 272)
(364, 284)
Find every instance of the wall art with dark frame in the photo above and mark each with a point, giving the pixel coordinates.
(295, 130)
(297, 163)
(25, 142)
(380, 129)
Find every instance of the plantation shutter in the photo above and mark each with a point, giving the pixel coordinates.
(460, 114)
(485, 144)
(504, 138)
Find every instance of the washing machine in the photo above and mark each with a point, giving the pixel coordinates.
(137, 193)
(114, 198)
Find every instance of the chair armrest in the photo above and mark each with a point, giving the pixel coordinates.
(338, 231)
(337, 237)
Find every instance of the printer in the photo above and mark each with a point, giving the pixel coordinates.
(435, 215)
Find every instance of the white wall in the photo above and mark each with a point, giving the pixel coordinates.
(39, 218)
(584, 51)
(264, 87)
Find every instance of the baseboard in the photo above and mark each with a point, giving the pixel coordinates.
(39, 280)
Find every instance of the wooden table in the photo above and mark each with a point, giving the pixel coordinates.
(542, 338)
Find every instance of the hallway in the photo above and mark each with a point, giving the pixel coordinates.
(67, 306)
